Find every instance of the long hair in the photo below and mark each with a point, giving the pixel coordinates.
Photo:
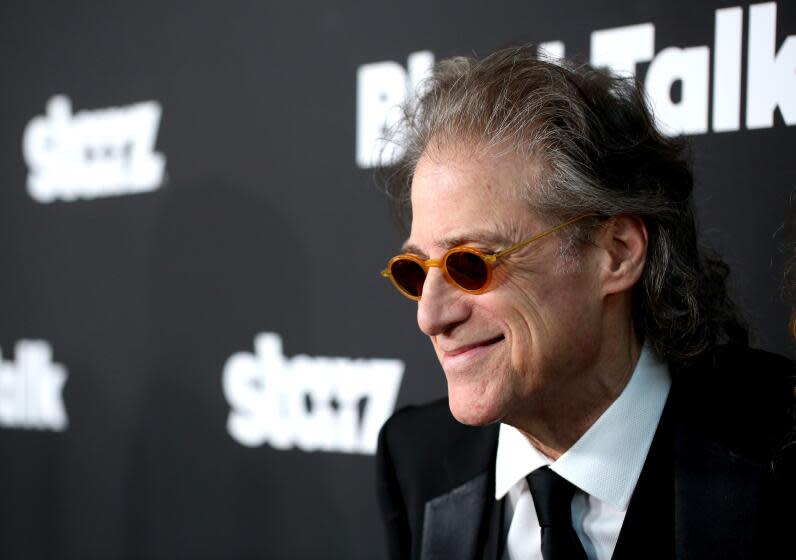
(595, 144)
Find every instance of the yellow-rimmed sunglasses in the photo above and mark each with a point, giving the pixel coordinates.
(466, 268)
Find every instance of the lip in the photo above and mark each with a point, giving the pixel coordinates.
(467, 352)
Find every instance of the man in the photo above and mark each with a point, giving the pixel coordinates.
(602, 402)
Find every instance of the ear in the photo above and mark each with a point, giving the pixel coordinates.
(623, 244)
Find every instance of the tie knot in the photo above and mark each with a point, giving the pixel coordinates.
(552, 497)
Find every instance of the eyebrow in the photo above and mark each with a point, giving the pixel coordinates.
(477, 236)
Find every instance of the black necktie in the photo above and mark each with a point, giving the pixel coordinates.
(552, 498)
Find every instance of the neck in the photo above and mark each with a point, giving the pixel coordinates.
(557, 421)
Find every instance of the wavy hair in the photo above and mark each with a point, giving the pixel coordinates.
(595, 144)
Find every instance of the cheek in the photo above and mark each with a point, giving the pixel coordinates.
(517, 314)
(544, 318)
(525, 307)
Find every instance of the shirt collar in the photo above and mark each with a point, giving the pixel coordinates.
(607, 459)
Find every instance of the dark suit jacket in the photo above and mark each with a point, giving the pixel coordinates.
(716, 482)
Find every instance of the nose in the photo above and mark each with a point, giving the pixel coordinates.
(441, 306)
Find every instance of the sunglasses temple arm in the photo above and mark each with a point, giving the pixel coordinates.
(527, 242)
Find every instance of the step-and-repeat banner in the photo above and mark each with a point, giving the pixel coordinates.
(196, 348)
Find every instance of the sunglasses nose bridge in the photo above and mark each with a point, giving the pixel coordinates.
(428, 264)
(436, 286)
(440, 264)
(432, 263)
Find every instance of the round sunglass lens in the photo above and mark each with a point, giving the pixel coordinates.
(409, 275)
(467, 269)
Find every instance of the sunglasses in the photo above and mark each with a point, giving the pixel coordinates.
(466, 268)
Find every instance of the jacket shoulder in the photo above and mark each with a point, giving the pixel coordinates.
(429, 425)
(427, 441)
(425, 452)
(744, 394)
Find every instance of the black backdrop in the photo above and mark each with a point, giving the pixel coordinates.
(132, 295)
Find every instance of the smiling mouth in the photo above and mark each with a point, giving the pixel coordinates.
(484, 344)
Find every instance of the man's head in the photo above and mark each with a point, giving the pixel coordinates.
(585, 143)
(500, 149)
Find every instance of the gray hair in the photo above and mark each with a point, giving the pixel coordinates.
(594, 141)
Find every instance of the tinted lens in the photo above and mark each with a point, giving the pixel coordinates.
(409, 275)
(467, 269)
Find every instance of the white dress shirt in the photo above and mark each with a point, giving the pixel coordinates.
(604, 465)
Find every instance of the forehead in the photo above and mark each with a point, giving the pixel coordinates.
(459, 194)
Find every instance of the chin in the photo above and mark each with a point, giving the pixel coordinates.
(471, 410)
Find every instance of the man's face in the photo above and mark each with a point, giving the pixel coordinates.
(532, 336)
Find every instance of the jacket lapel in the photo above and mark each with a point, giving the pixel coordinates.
(719, 488)
(717, 495)
(695, 496)
(455, 523)
(452, 522)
